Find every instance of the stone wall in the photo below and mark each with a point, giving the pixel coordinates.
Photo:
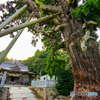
(46, 93)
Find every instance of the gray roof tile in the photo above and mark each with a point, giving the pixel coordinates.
(9, 66)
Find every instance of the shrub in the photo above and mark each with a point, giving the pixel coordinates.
(65, 82)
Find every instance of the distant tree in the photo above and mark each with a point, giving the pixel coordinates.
(66, 57)
(37, 63)
(40, 62)
(57, 63)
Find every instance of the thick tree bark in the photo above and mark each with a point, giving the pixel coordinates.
(85, 65)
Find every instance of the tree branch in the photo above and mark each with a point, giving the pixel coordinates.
(26, 24)
(7, 21)
(19, 2)
(57, 28)
(34, 8)
(91, 22)
(43, 32)
(51, 9)
(48, 8)
(61, 45)
(50, 22)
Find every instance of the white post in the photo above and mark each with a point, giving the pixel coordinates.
(3, 79)
(40, 73)
(46, 81)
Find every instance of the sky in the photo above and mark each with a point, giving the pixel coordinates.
(23, 48)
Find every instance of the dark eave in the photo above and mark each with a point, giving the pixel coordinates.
(15, 71)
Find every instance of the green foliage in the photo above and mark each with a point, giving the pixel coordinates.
(43, 72)
(57, 63)
(65, 82)
(52, 39)
(40, 62)
(37, 62)
(40, 5)
(56, 60)
(89, 11)
(64, 55)
(47, 63)
(55, 20)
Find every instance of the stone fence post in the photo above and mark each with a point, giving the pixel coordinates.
(3, 79)
(46, 81)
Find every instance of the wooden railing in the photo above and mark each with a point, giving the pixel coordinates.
(44, 83)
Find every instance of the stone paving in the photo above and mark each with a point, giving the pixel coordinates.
(21, 93)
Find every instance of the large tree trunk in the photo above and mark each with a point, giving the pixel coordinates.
(85, 65)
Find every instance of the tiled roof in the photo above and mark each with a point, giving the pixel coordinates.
(9, 66)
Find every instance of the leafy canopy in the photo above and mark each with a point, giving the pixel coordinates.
(37, 63)
(89, 11)
(57, 63)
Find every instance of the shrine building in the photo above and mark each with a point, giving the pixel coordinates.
(17, 73)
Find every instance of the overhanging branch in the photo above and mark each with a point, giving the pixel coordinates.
(34, 8)
(53, 30)
(57, 47)
(43, 33)
(12, 17)
(51, 9)
(13, 29)
(48, 8)
(18, 2)
(61, 45)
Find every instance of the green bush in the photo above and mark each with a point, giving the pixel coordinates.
(65, 82)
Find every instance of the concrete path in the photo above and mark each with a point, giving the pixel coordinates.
(21, 93)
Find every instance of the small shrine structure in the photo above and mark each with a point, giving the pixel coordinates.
(17, 73)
